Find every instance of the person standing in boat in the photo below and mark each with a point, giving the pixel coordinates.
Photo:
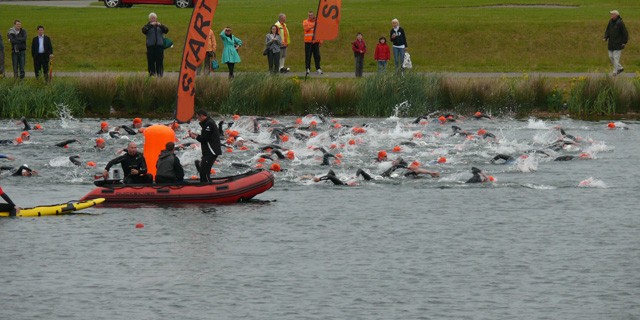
(209, 139)
(133, 165)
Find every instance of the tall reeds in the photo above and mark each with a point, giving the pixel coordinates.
(374, 96)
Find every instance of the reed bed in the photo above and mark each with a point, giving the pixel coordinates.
(381, 95)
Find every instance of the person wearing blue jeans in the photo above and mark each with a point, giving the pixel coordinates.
(399, 41)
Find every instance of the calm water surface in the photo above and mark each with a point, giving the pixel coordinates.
(532, 245)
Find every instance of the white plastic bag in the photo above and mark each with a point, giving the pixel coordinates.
(407, 61)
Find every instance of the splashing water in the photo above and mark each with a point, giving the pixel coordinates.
(536, 124)
(527, 164)
(592, 183)
(399, 109)
(64, 112)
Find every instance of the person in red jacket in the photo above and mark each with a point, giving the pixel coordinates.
(359, 49)
(382, 54)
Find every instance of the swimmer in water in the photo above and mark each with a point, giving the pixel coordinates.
(583, 156)
(26, 125)
(507, 159)
(331, 176)
(325, 156)
(479, 115)
(24, 171)
(7, 156)
(74, 160)
(100, 144)
(65, 144)
(478, 176)
(458, 131)
(104, 128)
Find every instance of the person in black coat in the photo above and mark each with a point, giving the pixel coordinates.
(41, 51)
(18, 39)
(399, 41)
(209, 139)
(617, 36)
(154, 32)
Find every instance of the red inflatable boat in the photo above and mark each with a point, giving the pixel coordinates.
(221, 190)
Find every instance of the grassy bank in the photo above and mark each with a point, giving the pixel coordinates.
(375, 96)
(465, 35)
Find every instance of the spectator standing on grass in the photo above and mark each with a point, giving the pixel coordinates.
(210, 46)
(617, 36)
(41, 51)
(273, 42)
(283, 31)
(311, 47)
(1, 57)
(230, 54)
(359, 49)
(382, 54)
(399, 40)
(18, 39)
(155, 32)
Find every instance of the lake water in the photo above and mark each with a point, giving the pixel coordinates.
(534, 244)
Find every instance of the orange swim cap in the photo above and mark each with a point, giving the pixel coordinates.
(611, 125)
(482, 132)
(261, 160)
(442, 119)
(492, 179)
(231, 140)
(585, 156)
(397, 149)
(442, 160)
(175, 125)
(352, 142)
(91, 164)
(38, 126)
(19, 140)
(382, 154)
(243, 148)
(333, 146)
(99, 140)
(478, 114)
(236, 117)
(339, 155)
(313, 134)
(414, 164)
(194, 177)
(25, 134)
(337, 126)
(137, 120)
(291, 155)
(234, 133)
(229, 149)
(299, 121)
(275, 167)
(284, 138)
(213, 171)
(104, 124)
(313, 123)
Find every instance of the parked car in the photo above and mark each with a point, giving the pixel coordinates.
(130, 3)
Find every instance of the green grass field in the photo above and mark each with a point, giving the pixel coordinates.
(463, 35)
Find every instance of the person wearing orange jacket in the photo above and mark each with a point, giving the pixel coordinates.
(311, 47)
(210, 46)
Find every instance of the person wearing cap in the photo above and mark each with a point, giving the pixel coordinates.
(24, 171)
(616, 36)
(133, 165)
(414, 170)
(478, 176)
(382, 156)
(209, 139)
(25, 136)
(100, 144)
(104, 128)
(137, 123)
(169, 169)
(9, 206)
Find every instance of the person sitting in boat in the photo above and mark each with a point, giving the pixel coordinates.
(209, 139)
(133, 165)
(9, 206)
(169, 169)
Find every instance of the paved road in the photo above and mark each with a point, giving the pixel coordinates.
(66, 3)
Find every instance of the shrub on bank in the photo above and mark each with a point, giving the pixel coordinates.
(380, 95)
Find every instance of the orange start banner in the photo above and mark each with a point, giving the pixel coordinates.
(193, 55)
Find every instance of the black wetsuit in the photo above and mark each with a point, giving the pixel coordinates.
(74, 160)
(6, 142)
(209, 139)
(27, 127)
(129, 130)
(564, 158)
(66, 142)
(325, 156)
(477, 178)
(331, 176)
(420, 118)
(129, 162)
(19, 171)
(506, 158)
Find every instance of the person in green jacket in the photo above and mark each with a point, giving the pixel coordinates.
(230, 52)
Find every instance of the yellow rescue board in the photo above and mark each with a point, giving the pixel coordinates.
(56, 209)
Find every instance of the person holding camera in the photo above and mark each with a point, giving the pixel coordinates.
(155, 32)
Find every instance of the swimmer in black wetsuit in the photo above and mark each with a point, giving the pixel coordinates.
(478, 176)
(27, 127)
(325, 156)
(458, 131)
(64, 144)
(507, 159)
(479, 115)
(24, 171)
(74, 160)
(420, 118)
(331, 176)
